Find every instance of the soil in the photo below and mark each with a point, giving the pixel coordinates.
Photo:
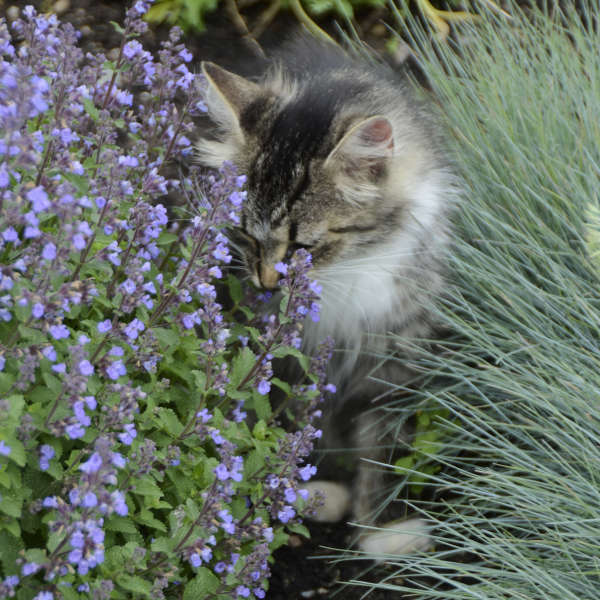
(304, 568)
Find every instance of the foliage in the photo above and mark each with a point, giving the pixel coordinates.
(140, 456)
(517, 510)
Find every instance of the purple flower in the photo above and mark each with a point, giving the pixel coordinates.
(77, 539)
(290, 495)
(129, 434)
(204, 415)
(307, 472)
(185, 55)
(30, 568)
(59, 368)
(195, 560)
(75, 431)
(116, 369)
(44, 596)
(264, 387)
(92, 465)
(118, 460)
(86, 367)
(286, 513)
(104, 326)
(243, 591)
(38, 198)
(131, 48)
(5, 449)
(59, 332)
(49, 251)
(133, 329)
(222, 472)
(50, 353)
(37, 311)
(50, 502)
(281, 268)
(89, 500)
(119, 505)
(10, 235)
(46, 453)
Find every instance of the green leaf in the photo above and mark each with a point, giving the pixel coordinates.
(35, 336)
(284, 351)
(146, 486)
(121, 524)
(240, 366)
(235, 288)
(145, 517)
(90, 109)
(166, 337)
(133, 583)
(205, 582)
(261, 405)
(11, 502)
(299, 529)
(167, 418)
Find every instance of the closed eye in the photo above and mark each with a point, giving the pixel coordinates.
(293, 246)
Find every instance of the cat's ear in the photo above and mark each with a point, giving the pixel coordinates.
(364, 149)
(228, 95)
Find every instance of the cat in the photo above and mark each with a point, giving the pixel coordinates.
(342, 159)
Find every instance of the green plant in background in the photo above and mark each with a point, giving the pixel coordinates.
(517, 513)
(190, 14)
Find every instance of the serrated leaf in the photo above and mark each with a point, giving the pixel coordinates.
(205, 582)
(121, 524)
(282, 385)
(299, 529)
(169, 420)
(145, 517)
(133, 583)
(261, 405)
(35, 336)
(284, 351)
(146, 486)
(10, 525)
(240, 366)
(235, 288)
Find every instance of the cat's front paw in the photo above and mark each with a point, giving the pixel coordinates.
(336, 503)
(396, 537)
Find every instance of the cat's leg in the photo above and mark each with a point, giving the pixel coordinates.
(395, 537)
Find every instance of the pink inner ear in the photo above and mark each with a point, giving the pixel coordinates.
(377, 132)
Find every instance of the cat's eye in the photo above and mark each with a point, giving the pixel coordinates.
(293, 246)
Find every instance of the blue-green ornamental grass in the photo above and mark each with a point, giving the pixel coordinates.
(139, 454)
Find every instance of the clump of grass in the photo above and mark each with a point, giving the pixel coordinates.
(516, 511)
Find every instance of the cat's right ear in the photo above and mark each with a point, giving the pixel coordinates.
(228, 95)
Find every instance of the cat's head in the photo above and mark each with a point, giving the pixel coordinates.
(316, 166)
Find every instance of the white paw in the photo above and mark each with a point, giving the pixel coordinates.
(397, 537)
(337, 500)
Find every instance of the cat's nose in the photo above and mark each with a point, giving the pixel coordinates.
(268, 276)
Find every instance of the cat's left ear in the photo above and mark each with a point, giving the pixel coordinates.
(228, 95)
(364, 148)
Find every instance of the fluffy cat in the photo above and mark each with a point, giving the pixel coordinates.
(342, 160)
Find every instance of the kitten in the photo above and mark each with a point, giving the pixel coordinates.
(342, 160)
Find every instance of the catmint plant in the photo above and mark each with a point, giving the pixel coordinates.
(140, 455)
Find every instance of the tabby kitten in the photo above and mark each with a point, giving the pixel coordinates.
(342, 160)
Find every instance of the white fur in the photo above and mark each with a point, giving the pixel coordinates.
(363, 297)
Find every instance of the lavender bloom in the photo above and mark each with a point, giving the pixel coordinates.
(5, 449)
(46, 453)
